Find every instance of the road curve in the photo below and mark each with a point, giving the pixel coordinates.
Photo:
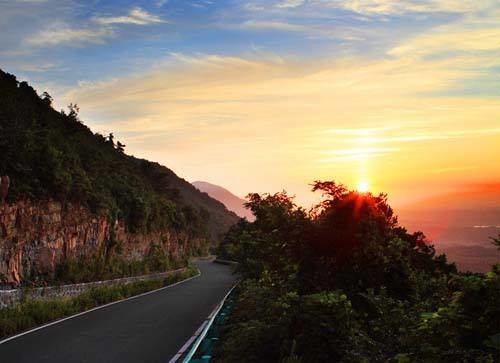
(150, 328)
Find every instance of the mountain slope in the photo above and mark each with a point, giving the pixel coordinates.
(231, 201)
(52, 154)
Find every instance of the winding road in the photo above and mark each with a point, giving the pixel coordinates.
(150, 328)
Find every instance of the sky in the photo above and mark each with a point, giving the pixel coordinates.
(401, 97)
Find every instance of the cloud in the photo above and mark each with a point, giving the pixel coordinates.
(374, 7)
(273, 25)
(388, 7)
(35, 67)
(96, 31)
(290, 3)
(62, 34)
(136, 16)
(439, 41)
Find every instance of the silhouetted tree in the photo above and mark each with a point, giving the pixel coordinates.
(120, 147)
(111, 139)
(47, 99)
(74, 110)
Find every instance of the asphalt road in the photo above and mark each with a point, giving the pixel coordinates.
(150, 328)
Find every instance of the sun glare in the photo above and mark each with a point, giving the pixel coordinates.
(362, 186)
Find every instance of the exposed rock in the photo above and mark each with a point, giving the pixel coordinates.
(36, 236)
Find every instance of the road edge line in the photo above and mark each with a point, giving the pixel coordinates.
(201, 332)
(97, 308)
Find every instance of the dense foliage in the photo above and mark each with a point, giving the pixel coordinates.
(50, 154)
(32, 312)
(345, 283)
(102, 267)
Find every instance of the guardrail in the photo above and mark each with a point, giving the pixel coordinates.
(201, 343)
(208, 332)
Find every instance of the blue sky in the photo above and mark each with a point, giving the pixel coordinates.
(299, 89)
(94, 40)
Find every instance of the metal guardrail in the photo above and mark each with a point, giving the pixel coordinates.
(203, 344)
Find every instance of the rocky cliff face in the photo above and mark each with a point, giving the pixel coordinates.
(36, 236)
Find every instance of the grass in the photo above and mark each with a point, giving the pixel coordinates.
(32, 313)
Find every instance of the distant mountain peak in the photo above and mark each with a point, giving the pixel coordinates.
(231, 201)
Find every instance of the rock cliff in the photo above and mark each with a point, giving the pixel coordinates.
(36, 236)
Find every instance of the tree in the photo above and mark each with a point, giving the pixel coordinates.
(110, 139)
(47, 99)
(120, 147)
(73, 112)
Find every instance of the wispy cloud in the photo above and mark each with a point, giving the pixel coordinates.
(63, 34)
(438, 41)
(97, 30)
(36, 67)
(290, 3)
(374, 7)
(387, 7)
(136, 16)
(361, 154)
(273, 25)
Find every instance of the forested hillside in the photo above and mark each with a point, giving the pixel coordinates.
(75, 207)
(344, 282)
(50, 154)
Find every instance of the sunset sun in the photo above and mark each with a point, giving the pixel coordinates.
(362, 186)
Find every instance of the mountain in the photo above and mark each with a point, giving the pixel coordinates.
(50, 154)
(68, 193)
(231, 201)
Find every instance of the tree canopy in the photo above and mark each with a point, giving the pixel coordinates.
(344, 282)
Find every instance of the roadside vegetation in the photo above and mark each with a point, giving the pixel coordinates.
(73, 271)
(107, 266)
(344, 282)
(32, 313)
